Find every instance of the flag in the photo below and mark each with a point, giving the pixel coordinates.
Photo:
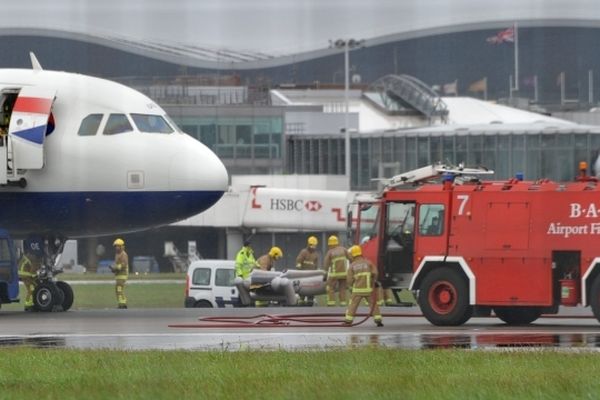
(507, 35)
(436, 88)
(478, 86)
(451, 88)
(559, 79)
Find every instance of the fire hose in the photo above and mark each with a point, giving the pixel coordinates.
(280, 320)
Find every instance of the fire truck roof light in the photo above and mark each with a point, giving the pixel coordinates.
(519, 176)
(448, 177)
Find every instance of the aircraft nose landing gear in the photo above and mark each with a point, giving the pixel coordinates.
(51, 294)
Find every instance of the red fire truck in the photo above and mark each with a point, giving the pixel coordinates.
(466, 246)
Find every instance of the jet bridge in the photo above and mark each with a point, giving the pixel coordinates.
(407, 92)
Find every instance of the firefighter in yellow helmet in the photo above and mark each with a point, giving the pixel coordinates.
(335, 261)
(121, 271)
(362, 275)
(265, 262)
(308, 259)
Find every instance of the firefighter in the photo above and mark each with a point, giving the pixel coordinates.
(265, 262)
(384, 296)
(29, 265)
(336, 263)
(308, 259)
(121, 271)
(245, 261)
(362, 275)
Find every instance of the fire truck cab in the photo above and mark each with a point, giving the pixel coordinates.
(466, 247)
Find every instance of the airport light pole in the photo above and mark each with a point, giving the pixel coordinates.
(347, 45)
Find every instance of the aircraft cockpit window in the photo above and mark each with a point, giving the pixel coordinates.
(90, 124)
(151, 123)
(117, 123)
(173, 124)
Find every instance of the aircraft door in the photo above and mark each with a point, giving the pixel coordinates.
(28, 126)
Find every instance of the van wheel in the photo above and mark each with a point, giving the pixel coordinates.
(444, 297)
(203, 304)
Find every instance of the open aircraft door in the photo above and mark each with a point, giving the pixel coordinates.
(28, 126)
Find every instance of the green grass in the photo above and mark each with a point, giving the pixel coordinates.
(337, 374)
(110, 277)
(158, 295)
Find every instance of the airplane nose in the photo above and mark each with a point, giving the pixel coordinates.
(197, 168)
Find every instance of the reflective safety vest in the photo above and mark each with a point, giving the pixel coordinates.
(361, 276)
(244, 262)
(26, 268)
(121, 266)
(336, 261)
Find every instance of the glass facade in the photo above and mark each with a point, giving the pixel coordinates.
(537, 155)
(249, 140)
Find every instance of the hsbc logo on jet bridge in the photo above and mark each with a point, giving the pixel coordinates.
(295, 205)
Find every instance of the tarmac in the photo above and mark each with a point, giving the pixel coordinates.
(143, 329)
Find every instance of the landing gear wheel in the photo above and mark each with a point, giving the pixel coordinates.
(518, 315)
(444, 297)
(45, 296)
(68, 295)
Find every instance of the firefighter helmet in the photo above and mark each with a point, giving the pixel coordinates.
(275, 253)
(312, 241)
(119, 242)
(333, 241)
(355, 251)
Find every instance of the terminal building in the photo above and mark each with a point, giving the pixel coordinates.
(435, 93)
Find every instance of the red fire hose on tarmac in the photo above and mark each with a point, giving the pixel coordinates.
(313, 320)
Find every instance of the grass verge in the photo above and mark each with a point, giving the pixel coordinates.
(111, 277)
(338, 374)
(99, 296)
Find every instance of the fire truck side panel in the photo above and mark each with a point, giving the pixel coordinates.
(513, 281)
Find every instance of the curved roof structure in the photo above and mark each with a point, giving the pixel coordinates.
(216, 57)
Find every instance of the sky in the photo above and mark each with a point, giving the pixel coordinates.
(273, 26)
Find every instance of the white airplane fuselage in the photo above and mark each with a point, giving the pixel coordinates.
(98, 184)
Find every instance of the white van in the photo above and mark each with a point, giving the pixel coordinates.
(209, 283)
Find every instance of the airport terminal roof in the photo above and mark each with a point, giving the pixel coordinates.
(214, 34)
(463, 112)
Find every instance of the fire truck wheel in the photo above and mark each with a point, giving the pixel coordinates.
(518, 315)
(444, 297)
(595, 298)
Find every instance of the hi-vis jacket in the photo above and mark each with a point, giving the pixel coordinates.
(28, 267)
(307, 259)
(244, 262)
(362, 275)
(335, 262)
